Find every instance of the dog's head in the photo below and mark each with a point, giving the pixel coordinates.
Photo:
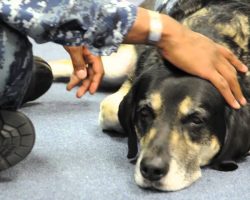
(180, 123)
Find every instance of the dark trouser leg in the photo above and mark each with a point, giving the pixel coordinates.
(16, 62)
(17, 133)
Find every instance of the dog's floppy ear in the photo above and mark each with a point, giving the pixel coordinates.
(237, 141)
(126, 116)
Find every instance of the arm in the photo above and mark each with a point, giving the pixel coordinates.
(182, 46)
(102, 25)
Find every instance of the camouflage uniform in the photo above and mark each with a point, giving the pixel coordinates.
(97, 24)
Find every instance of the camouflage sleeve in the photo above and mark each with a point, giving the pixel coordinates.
(98, 24)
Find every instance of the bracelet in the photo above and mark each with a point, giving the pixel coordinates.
(155, 27)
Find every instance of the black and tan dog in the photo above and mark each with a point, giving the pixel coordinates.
(181, 122)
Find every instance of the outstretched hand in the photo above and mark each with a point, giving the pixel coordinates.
(88, 70)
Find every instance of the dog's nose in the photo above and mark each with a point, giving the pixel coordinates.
(153, 169)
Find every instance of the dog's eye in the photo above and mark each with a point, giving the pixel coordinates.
(144, 119)
(145, 112)
(193, 120)
(196, 120)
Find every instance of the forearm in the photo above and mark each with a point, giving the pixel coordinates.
(139, 32)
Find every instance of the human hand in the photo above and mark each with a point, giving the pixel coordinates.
(200, 56)
(88, 70)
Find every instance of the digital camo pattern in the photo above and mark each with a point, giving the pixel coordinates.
(15, 67)
(98, 24)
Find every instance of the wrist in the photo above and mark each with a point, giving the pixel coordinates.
(168, 29)
(155, 27)
(172, 31)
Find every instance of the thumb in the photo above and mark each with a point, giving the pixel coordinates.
(78, 62)
(76, 78)
(81, 73)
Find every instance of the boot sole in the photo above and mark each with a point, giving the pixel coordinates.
(17, 138)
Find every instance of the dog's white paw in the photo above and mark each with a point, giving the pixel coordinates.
(108, 115)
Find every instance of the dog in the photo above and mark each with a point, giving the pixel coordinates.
(180, 122)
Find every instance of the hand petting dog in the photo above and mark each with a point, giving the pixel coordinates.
(198, 55)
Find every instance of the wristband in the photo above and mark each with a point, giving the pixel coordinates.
(155, 27)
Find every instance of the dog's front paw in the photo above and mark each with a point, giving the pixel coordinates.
(108, 115)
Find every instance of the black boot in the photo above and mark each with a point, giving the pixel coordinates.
(41, 80)
(17, 137)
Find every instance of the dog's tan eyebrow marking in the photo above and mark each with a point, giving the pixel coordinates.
(185, 105)
(149, 136)
(156, 101)
(174, 137)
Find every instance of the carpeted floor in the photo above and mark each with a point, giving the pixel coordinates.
(73, 159)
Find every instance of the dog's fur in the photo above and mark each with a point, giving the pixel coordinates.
(182, 122)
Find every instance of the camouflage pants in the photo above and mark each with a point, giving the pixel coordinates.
(16, 62)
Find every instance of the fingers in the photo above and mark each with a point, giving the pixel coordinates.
(219, 65)
(89, 75)
(233, 59)
(95, 73)
(83, 88)
(225, 80)
(78, 62)
(93, 81)
(74, 80)
(224, 88)
(98, 72)
(230, 74)
(81, 74)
